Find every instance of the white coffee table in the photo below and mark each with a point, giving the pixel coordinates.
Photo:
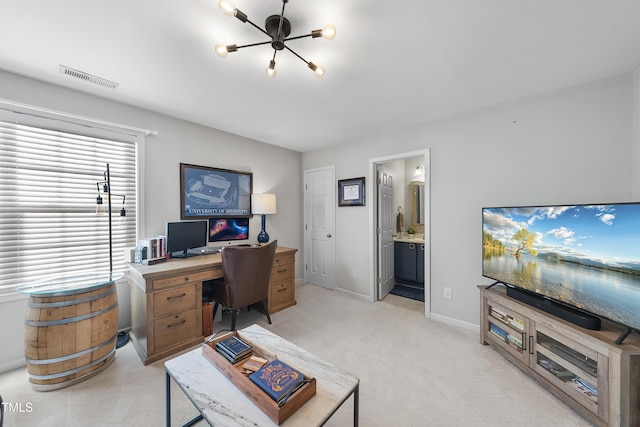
(222, 404)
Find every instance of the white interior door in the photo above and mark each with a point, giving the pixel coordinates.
(385, 234)
(319, 202)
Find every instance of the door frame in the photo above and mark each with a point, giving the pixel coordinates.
(373, 196)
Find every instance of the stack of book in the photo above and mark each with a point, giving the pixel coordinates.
(278, 380)
(234, 349)
(497, 332)
(153, 249)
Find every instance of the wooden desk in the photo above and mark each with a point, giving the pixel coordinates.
(166, 300)
(222, 404)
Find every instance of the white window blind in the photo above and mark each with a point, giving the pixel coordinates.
(48, 221)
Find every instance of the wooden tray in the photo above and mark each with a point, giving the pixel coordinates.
(252, 391)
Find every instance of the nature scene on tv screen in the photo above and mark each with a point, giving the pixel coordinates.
(586, 256)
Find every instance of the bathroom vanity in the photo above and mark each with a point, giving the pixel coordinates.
(409, 260)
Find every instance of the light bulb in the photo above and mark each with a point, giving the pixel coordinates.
(221, 50)
(99, 206)
(271, 69)
(329, 32)
(316, 69)
(227, 7)
(105, 194)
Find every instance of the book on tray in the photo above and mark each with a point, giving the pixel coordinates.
(278, 380)
(233, 349)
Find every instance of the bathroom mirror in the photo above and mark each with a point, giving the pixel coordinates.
(417, 203)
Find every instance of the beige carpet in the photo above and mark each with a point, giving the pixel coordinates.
(413, 372)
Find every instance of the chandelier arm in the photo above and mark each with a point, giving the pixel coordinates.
(284, 3)
(253, 44)
(260, 29)
(298, 37)
(292, 51)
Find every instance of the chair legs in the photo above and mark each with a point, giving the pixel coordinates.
(265, 307)
(215, 309)
(234, 313)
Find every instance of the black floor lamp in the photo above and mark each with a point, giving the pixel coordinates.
(106, 189)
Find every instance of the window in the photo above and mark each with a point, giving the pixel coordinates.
(48, 175)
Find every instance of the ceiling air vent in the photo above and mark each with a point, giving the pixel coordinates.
(88, 77)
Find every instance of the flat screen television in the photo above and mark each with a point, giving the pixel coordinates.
(585, 257)
(224, 231)
(185, 235)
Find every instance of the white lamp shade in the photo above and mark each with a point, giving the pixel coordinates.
(263, 204)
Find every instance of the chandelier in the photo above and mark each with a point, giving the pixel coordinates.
(277, 28)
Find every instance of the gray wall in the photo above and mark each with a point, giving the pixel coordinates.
(571, 146)
(576, 145)
(274, 170)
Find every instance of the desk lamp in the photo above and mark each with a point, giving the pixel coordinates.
(263, 204)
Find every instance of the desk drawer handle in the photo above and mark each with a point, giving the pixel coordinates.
(283, 271)
(186, 279)
(281, 290)
(173, 325)
(176, 297)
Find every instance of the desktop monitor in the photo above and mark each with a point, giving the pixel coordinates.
(185, 235)
(225, 231)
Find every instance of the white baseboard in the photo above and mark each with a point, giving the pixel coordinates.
(455, 322)
(352, 294)
(11, 365)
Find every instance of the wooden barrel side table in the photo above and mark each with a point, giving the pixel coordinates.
(71, 328)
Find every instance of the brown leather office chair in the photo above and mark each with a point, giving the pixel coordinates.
(247, 273)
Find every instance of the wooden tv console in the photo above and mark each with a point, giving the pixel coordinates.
(584, 368)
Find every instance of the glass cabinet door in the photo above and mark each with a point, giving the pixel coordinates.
(507, 328)
(577, 370)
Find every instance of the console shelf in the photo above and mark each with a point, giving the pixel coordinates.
(584, 368)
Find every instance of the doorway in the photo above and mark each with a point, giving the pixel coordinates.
(400, 169)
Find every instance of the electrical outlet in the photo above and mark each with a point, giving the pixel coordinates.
(447, 293)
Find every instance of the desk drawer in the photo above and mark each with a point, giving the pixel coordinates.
(283, 259)
(175, 328)
(280, 272)
(184, 279)
(174, 300)
(282, 293)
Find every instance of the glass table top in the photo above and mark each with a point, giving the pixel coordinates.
(67, 285)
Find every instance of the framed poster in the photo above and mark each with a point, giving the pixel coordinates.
(351, 192)
(210, 192)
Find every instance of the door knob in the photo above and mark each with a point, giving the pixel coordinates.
(329, 235)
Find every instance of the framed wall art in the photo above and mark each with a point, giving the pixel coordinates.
(351, 192)
(207, 192)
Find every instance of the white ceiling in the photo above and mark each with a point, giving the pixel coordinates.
(393, 64)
